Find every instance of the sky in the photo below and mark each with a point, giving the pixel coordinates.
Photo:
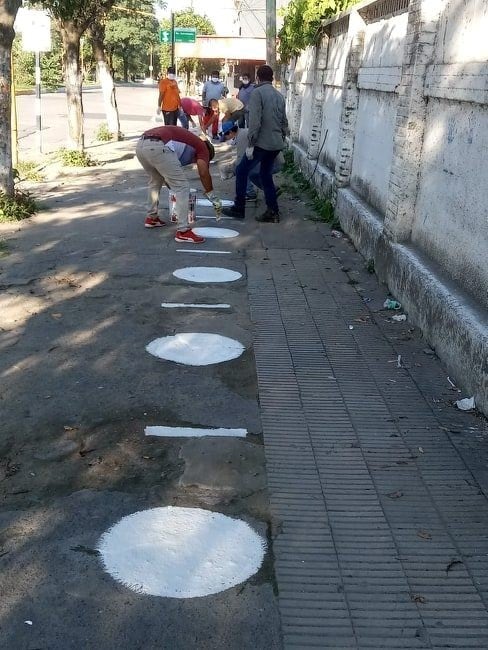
(222, 13)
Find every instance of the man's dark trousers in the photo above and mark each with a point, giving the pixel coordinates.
(266, 158)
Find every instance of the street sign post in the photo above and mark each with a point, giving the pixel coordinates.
(165, 35)
(181, 35)
(185, 34)
(36, 37)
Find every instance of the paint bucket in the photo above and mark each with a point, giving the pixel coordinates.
(192, 202)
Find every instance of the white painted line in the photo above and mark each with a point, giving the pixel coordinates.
(226, 203)
(181, 552)
(195, 348)
(214, 217)
(193, 432)
(204, 274)
(200, 250)
(216, 233)
(174, 305)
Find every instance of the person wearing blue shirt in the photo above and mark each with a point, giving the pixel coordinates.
(213, 89)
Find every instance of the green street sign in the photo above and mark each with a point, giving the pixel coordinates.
(182, 35)
(185, 34)
(165, 36)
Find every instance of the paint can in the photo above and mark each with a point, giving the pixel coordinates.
(192, 203)
(173, 217)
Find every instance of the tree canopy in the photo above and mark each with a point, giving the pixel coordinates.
(302, 20)
(187, 18)
(129, 36)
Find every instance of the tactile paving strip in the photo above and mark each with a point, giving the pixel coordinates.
(382, 537)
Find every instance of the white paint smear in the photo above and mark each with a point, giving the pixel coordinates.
(200, 251)
(196, 349)
(214, 217)
(193, 432)
(226, 203)
(181, 552)
(175, 305)
(216, 233)
(206, 274)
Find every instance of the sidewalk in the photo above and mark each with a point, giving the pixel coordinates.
(376, 500)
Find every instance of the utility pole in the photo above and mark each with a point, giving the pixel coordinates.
(172, 38)
(271, 33)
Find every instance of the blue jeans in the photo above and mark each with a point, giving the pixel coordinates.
(183, 117)
(265, 159)
(254, 176)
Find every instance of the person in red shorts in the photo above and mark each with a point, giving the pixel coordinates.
(163, 151)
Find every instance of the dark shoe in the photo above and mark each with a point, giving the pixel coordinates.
(232, 211)
(270, 216)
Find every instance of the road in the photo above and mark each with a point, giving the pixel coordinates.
(136, 107)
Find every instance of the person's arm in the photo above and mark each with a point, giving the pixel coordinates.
(161, 94)
(206, 179)
(204, 173)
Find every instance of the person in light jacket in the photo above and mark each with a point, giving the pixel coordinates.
(268, 128)
(238, 137)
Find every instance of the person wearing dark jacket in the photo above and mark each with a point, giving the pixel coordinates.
(244, 94)
(268, 128)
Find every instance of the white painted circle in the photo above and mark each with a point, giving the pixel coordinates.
(206, 274)
(215, 233)
(196, 349)
(181, 552)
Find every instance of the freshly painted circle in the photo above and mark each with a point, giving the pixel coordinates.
(195, 348)
(215, 233)
(181, 552)
(204, 274)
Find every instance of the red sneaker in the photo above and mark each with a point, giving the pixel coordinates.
(189, 236)
(153, 222)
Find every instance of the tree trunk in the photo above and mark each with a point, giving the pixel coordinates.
(97, 35)
(125, 59)
(73, 83)
(8, 11)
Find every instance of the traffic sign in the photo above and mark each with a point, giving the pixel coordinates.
(185, 34)
(36, 30)
(182, 35)
(165, 36)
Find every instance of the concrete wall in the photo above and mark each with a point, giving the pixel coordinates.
(394, 104)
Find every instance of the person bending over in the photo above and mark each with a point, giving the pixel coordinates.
(237, 136)
(163, 151)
